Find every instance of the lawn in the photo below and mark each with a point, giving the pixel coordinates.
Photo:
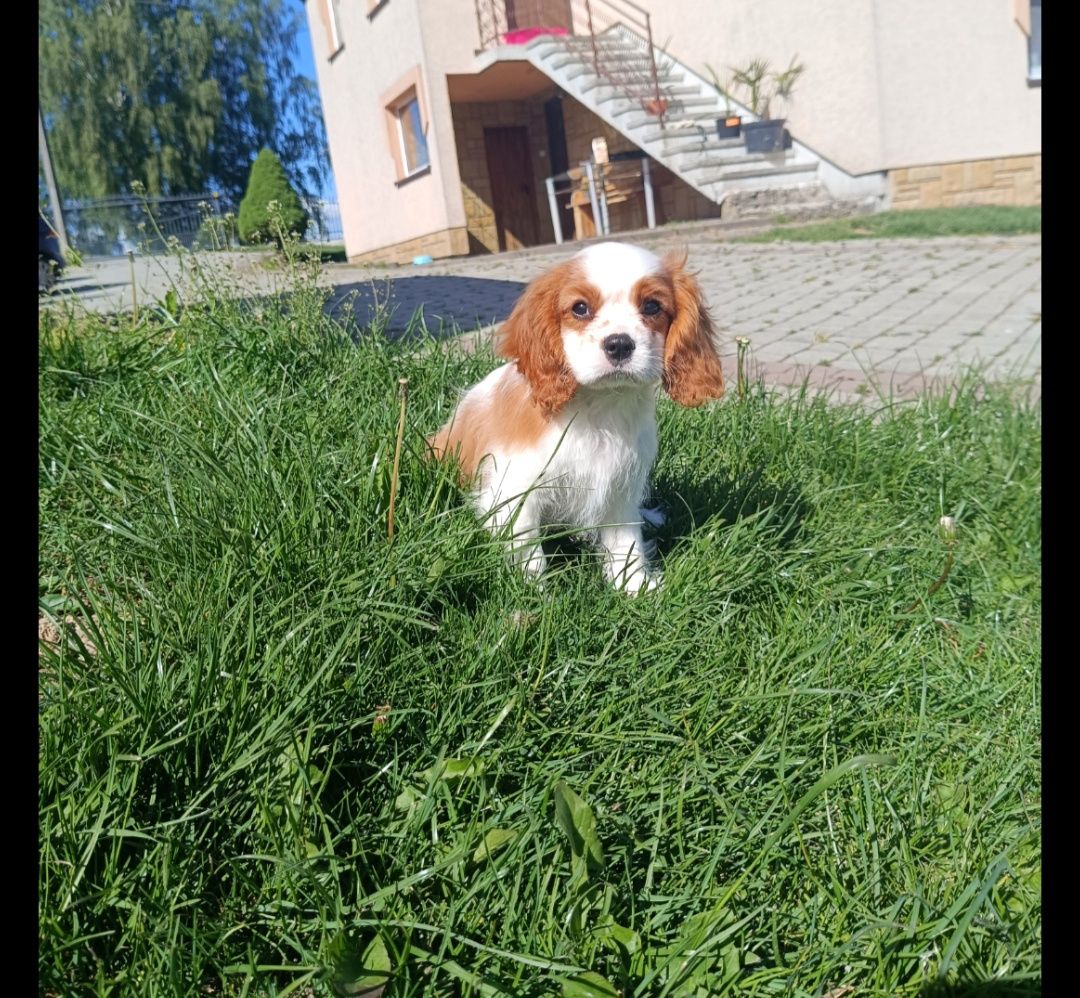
(976, 220)
(280, 753)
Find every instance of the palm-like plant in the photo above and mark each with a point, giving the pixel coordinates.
(763, 86)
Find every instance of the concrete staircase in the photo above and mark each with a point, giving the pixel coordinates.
(686, 143)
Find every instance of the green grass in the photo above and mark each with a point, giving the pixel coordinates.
(978, 220)
(328, 252)
(322, 253)
(273, 745)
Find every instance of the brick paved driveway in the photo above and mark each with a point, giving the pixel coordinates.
(901, 312)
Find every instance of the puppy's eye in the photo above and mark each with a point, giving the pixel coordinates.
(580, 309)
(650, 307)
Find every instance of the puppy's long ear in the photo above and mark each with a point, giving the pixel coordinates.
(533, 337)
(692, 372)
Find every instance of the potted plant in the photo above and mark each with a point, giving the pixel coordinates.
(727, 126)
(763, 86)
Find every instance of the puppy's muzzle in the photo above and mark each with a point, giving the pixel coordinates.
(617, 347)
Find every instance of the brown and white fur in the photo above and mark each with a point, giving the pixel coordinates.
(564, 434)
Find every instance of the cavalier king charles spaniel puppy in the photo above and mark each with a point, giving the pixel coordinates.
(564, 433)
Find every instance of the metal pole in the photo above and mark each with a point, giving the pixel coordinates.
(553, 203)
(602, 186)
(655, 76)
(592, 35)
(650, 207)
(593, 199)
(50, 182)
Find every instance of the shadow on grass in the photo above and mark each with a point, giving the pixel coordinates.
(428, 304)
(983, 989)
(689, 503)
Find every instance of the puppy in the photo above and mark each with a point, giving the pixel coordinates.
(564, 433)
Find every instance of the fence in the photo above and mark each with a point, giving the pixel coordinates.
(324, 221)
(114, 226)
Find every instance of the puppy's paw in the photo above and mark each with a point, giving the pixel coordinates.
(639, 582)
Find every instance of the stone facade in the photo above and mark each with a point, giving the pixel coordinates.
(470, 120)
(1011, 180)
(675, 200)
(448, 242)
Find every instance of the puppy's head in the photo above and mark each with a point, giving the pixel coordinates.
(614, 316)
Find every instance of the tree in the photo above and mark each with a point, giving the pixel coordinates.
(269, 185)
(178, 95)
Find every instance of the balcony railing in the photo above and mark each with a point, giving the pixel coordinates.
(613, 36)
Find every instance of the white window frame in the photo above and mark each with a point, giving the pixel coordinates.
(1035, 43)
(335, 32)
(401, 110)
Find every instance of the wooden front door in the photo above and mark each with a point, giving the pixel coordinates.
(538, 14)
(513, 194)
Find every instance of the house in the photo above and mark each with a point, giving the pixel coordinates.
(446, 118)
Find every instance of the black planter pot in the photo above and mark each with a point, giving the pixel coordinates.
(728, 128)
(764, 136)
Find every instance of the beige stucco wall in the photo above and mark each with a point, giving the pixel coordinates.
(450, 38)
(376, 210)
(888, 83)
(954, 82)
(837, 94)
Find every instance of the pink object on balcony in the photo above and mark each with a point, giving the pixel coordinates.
(523, 35)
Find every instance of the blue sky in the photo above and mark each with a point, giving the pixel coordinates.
(306, 65)
(304, 60)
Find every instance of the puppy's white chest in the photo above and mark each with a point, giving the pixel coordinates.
(598, 467)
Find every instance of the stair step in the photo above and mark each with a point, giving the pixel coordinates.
(687, 143)
(689, 103)
(610, 93)
(543, 46)
(583, 48)
(729, 174)
(690, 141)
(609, 79)
(705, 120)
(734, 158)
(581, 69)
(621, 68)
(558, 61)
(678, 138)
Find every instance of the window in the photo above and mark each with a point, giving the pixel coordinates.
(410, 129)
(328, 13)
(406, 114)
(1035, 42)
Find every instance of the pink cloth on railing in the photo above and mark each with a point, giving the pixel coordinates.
(523, 35)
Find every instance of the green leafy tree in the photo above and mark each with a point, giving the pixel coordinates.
(177, 95)
(270, 205)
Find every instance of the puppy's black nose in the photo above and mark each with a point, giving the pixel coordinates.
(618, 347)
